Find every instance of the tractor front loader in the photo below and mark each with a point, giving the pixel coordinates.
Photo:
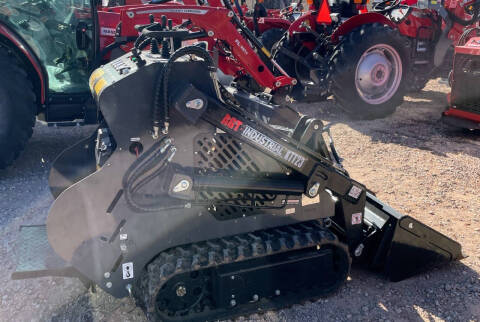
(202, 203)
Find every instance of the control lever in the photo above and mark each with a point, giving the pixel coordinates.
(151, 26)
(164, 22)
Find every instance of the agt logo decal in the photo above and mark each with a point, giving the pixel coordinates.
(263, 141)
(231, 122)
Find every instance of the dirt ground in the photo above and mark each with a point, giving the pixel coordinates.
(412, 161)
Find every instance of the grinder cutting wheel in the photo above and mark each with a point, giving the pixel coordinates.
(203, 203)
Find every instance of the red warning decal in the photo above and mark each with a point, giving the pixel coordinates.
(357, 218)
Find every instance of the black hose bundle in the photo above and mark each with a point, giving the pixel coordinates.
(148, 166)
(466, 35)
(161, 113)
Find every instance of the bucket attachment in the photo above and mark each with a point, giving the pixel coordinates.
(35, 257)
(402, 246)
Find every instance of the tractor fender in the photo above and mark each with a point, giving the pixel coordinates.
(297, 25)
(359, 20)
(266, 23)
(27, 53)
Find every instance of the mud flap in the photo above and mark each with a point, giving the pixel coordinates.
(401, 246)
(35, 257)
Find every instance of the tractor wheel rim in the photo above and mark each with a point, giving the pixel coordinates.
(378, 74)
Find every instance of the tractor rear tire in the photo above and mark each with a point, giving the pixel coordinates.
(271, 36)
(17, 108)
(368, 71)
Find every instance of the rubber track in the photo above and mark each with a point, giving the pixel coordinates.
(233, 249)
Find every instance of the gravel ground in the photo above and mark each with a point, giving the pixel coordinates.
(412, 161)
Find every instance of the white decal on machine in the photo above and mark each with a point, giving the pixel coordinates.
(272, 146)
(105, 31)
(241, 46)
(357, 218)
(127, 269)
(355, 192)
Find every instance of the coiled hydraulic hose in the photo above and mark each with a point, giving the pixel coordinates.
(466, 35)
(153, 163)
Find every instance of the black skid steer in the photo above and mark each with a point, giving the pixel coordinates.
(203, 202)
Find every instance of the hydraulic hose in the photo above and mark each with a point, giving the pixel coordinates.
(239, 8)
(466, 34)
(161, 113)
(143, 170)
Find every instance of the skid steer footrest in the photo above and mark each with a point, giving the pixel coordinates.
(35, 256)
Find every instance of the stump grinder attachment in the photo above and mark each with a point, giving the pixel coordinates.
(203, 202)
(464, 100)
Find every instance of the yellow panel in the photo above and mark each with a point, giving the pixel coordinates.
(95, 75)
(99, 85)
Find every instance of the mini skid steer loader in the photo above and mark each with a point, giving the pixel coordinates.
(203, 203)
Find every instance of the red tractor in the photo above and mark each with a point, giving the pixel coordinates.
(369, 61)
(48, 49)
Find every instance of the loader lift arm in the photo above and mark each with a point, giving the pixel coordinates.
(219, 24)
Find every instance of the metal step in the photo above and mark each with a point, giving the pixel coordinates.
(35, 257)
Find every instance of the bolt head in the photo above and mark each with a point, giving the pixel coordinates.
(315, 126)
(255, 297)
(359, 250)
(181, 291)
(233, 303)
(106, 275)
(277, 292)
(109, 284)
